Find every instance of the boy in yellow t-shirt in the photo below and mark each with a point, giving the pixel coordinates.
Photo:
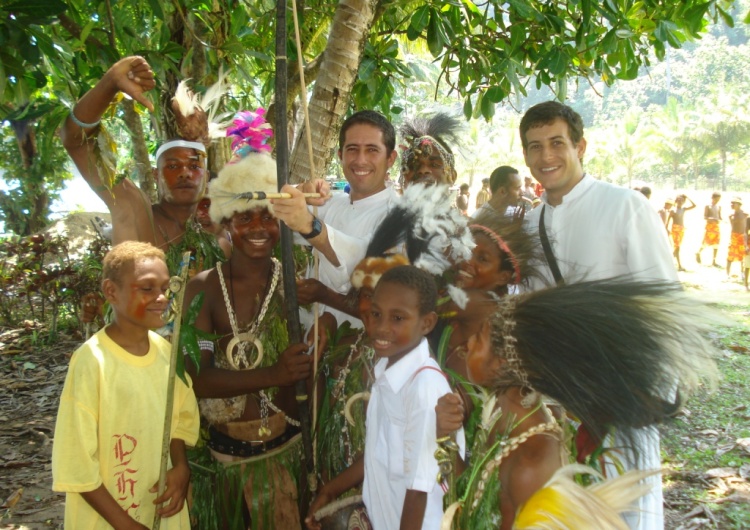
(107, 445)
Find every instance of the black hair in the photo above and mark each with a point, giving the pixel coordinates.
(464, 187)
(413, 278)
(501, 177)
(374, 118)
(646, 191)
(547, 112)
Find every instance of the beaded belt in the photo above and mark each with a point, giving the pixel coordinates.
(221, 443)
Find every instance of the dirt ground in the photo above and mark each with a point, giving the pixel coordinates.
(32, 373)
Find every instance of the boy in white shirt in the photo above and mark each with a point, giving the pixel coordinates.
(398, 468)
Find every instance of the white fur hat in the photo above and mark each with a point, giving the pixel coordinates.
(254, 172)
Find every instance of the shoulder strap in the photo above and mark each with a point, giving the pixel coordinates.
(438, 370)
(559, 280)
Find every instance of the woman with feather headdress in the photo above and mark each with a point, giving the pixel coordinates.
(610, 353)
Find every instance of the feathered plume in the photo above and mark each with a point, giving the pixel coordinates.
(613, 352)
(563, 503)
(195, 115)
(433, 233)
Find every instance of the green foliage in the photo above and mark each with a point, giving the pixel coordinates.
(189, 337)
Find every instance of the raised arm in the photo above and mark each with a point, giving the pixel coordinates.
(132, 76)
(130, 208)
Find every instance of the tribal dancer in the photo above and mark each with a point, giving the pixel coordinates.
(245, 383)
(607, 352)
(426, 155)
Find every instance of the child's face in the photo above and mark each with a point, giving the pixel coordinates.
(481, 364)
(364, 300)
(254, 232)
(482, 271)
(139, 297)
(201, 213)
(394, 324)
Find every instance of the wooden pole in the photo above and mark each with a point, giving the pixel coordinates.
(179, 296)
(287, 255)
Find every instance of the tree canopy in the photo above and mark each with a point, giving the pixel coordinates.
(486, 52)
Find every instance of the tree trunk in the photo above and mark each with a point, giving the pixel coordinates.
(332, 93)
(723, 170)
(140, 151)
(31, 182)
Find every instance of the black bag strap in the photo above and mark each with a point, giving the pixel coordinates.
(559, 280)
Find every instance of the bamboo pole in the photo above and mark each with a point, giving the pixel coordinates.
(287, 255)
(165, 442)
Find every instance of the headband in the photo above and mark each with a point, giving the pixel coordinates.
(180, 143)
(504, 247)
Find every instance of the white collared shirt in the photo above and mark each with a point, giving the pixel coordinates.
(400, 443)
(350, 227)
(601, 231)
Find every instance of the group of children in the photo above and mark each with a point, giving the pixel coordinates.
(450, 359)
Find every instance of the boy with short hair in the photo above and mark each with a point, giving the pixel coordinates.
(677, 218)
(398, 467)
(108, 437)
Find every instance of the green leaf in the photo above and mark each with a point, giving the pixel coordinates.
(488, 108)
(420, 19)
(521, 7)
(517, 36)
(557, 62)
(367, 68)
(746, 20)
(495, 94)
(467, 108)
(478, 106)
(434, 41)
(728, 20)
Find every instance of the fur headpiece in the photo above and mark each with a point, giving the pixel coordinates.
(369, 270)
(251, 169)
(423, 136)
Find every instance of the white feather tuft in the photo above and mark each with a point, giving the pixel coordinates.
(458, 295)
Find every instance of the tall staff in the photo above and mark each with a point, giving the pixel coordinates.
(287, 256)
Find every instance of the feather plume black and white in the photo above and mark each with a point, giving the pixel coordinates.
(427, 228)
(615, 353)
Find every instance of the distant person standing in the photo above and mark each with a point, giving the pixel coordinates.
(462, 201)
(528, 190)
(505, 184)
(664, 212)
(738, 244)
(484, 194)
(747, 252)
(677, 217)
(711, 238)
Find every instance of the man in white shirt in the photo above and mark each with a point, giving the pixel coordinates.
(596, 231)
(343, 226)
(505, 184)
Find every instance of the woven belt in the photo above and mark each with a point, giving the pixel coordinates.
(221, 443)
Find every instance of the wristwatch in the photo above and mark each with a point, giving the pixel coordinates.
(317, 228)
